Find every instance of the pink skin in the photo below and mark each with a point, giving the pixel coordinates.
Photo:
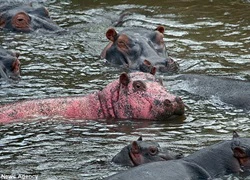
(134, 96)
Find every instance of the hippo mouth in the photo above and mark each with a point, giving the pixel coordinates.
(170, 108)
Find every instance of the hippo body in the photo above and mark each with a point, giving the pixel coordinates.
(9, 64)
(139, 49)
(134, 96)
(230, 91)
(21, 17)
(220, 159)
(142, 152)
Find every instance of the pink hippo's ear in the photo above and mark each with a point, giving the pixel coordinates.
(111, 34)
(124, 79)
(161, 29)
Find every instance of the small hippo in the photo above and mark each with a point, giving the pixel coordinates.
(220, 159)
(134, 96)
(9, 64)
(21, 17)
(141, 152)
(134, 47)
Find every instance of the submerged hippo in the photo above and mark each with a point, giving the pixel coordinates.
(220, 159)
(9, 64)
(134, 96)
(226, 90)
(141, 152)
(21, 17)
(136, 47)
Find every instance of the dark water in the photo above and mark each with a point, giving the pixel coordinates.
(206, 37)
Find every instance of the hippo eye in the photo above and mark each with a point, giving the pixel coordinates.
(153, 151)
(21, 21)
(139, 86)
(122, 45)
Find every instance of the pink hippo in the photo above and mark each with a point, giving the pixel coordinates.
(133, 96)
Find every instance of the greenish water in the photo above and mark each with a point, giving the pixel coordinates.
(205, 37)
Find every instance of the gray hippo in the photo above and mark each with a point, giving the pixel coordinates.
(141, 152)
(134, 47)
(9, 64)
(133, 96)
(225, 157)
(226, 90)
(20, 17)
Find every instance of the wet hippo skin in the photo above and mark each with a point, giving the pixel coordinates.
(9, 64)
(20, 17)
(142, 152)
(220, 159)
(133, 96)
(139, 49)
(227, 90)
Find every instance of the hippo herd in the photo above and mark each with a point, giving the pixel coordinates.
(135, 95)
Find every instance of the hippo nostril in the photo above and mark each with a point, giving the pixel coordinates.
(167, 102)
(178, 100)
(180, 106)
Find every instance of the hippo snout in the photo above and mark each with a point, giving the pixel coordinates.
(176, 105)
(168, 65)
(179, 106)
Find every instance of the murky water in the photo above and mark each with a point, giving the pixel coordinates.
(206, 37)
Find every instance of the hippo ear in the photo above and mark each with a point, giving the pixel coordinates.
(235, 135)
(2, 22)
(135, 149)
(153, 71)
(242, 156)
(16, 66)
(147, 65)
(124, 79)
(161, 29)
(17, 54)
(111, 34)
(239, 152)
(140, 138)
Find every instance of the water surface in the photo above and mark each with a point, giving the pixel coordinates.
(205, 37)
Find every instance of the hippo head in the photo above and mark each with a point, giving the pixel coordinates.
(25, 18)
(141, 152)
(241, 150)
(132, 47)
(139, 95)
(9, 65)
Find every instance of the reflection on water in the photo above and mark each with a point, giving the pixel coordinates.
(206, 37)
